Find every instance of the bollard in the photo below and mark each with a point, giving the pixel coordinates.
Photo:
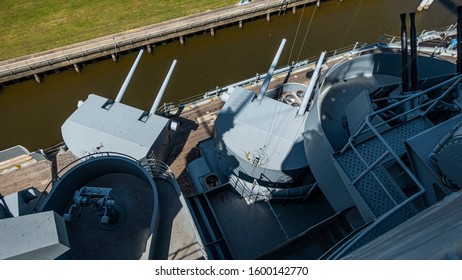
(182, 40)
(268, 16)
(240, 24)
(114, 57)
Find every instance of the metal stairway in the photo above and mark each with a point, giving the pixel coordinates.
(363, 168)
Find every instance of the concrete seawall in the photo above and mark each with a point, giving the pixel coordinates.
(33, 65)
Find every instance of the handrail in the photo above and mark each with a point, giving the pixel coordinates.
(242, 188)
(439, 98)
(410, 98)
(332, 55)
(446, 30)
(421, 190)
(160, 169)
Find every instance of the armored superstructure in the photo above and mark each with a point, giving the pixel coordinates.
(375, 130)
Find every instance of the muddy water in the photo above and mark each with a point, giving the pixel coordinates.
(31, 114)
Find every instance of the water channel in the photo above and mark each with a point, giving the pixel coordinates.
(31, 114)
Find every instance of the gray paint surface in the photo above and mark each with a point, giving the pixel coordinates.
(92, 128)
(36, 236)
(432, 234)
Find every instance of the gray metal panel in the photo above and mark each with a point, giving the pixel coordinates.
(92, 128)
(17, 151)
(449, 158)
(16, 204)
(176, 238)
(197, 169)
(36, 236)
(432, 234)
(420, 147)
(357, 111)
(386, 64)
(318, 151)
(13, 152)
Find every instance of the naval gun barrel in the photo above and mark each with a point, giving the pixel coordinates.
(124, 87)
(156, 103)
(269, 75)
(309, 90)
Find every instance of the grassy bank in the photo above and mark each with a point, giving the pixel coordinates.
(30, 26)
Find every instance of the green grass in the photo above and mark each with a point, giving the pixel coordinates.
(30, 26)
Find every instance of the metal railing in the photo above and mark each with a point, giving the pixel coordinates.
(160, 169)
(285, 195)
(157, 168)
(242, 188)
(76, 161)
(439, 33)
(333, 56)
(368, 126)
(198, 98)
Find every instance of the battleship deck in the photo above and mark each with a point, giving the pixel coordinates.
(196, 124)
(197, 121)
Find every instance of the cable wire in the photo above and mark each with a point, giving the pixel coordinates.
(296, 34)
(350, 25)
(306, 34)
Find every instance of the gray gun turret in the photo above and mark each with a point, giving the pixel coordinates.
(103, 125)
